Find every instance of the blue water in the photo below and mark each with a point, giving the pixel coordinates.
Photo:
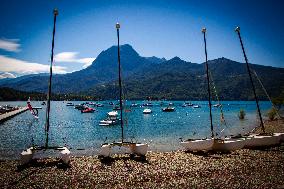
(161, 130)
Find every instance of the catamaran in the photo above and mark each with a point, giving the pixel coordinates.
(212, 143)
(262, 139)
(135, 148)
(27, 155)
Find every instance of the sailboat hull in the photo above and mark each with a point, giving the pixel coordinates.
(198, 145)
(141, 149)
(281, 136)
(254, 141)
(228, 144)
(26, 156)
(105, 150)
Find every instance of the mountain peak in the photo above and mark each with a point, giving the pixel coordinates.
(176, 59)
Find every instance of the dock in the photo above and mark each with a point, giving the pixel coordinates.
(8, 115)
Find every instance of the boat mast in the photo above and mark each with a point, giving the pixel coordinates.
(119, 81)
(238, 30)
(55, 13)
(208, 84)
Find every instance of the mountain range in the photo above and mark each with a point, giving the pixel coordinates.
(154, 77)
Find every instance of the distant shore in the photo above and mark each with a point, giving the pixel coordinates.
(240, 169)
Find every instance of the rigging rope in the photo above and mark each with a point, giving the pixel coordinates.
(222, 118)
(261, 84)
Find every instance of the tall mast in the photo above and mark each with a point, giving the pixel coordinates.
(119, 81)
(208, 84)
(55, 13)
(238, 30)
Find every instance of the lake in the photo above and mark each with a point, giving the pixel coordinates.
(161, 130)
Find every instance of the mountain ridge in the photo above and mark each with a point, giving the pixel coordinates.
(157, 77)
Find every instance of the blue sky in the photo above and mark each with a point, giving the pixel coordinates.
(162, 28)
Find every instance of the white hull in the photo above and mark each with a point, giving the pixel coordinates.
(147, 111)
(228, 144)
(27, 155)
(281, 135)
(141, 149)
(65, 155)
(198, 145)
(137, 149)
(105, 150)
(253, 141)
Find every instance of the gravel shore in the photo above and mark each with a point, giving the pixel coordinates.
(240, 169)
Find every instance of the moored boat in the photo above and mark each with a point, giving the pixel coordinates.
(112, 119)
(88, 110)
(196, 106)
(168, 109)
(69, 104)
(147, 111)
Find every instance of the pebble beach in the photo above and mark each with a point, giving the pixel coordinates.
(262, 168)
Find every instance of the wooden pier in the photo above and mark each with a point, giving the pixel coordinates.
(8, 115)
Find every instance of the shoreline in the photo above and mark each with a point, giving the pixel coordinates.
(262, 168)
(240, 169)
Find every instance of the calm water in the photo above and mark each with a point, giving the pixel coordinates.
(161, 130)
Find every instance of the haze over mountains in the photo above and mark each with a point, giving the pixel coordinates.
(155, 77)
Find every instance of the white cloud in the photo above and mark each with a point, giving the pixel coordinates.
(7, 75)
(8, 64)
(11, 45)
(73, 57)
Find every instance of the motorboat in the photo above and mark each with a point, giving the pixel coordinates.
(69, 104)
(88, 110)
(112, 119)
(168, 109)
(43, 103)
(147, 104)
(134, 105)
(100, 105)
(217, 105)
(80, 106)
(147, 111)
(196, 106)
(116, 107)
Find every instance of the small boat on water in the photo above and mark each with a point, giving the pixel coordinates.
(69, 104)
(217, 105)
(43, 103)
(112, 119)
(189, 104)
(168, 109)
(147, 104)
(196, 106)
(100, 105)
(116, 107)
(88, 110)
(80, 106)
(134, 105)
(92, 103)
(147, 111)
